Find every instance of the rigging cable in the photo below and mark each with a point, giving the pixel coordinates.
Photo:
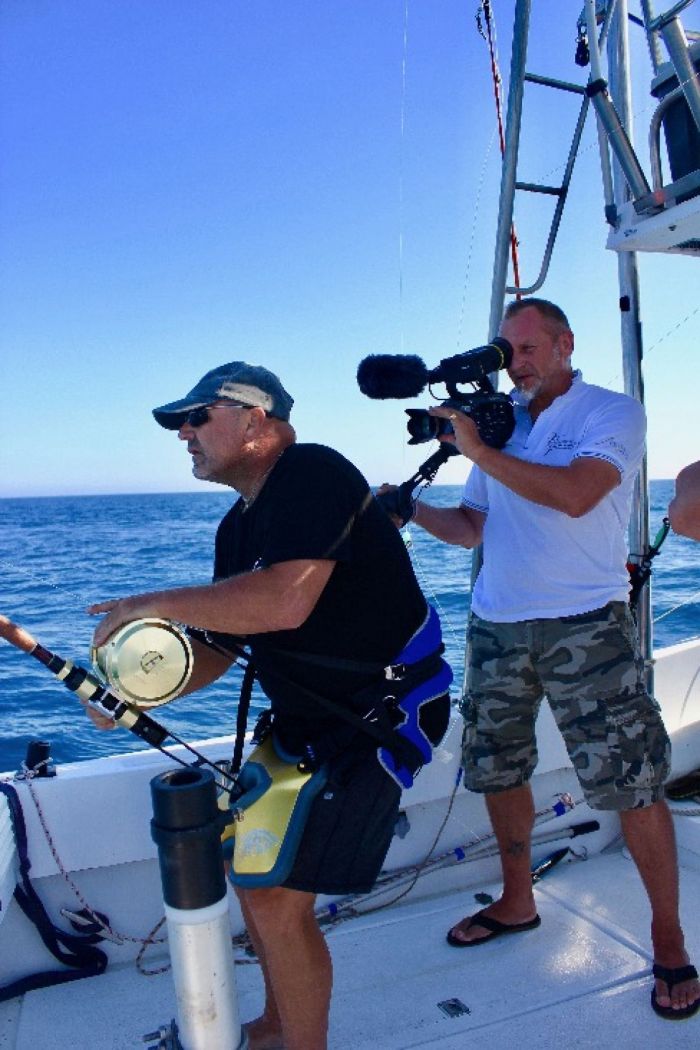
(490, 38)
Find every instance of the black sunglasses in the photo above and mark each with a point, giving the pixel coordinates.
(197, 417)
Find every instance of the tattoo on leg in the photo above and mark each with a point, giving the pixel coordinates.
(516, 848)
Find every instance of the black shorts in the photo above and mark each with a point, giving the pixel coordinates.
(349, 828)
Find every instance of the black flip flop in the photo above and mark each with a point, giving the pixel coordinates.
(496, 928)
(671, 977)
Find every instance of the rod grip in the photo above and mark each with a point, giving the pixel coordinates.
(16, 635)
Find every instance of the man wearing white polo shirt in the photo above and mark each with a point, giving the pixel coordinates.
(550, 615)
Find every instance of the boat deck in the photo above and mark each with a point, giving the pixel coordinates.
(581, 979)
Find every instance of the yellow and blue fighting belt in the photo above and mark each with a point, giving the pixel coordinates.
(269, 815)
(426, 641)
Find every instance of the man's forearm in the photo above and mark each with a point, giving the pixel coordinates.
(574, 489)
(450, 524)
(228, 606)
(273, 599)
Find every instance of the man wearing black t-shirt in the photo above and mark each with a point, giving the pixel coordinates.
(312, 574)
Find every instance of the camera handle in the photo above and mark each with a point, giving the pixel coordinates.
(399, 501)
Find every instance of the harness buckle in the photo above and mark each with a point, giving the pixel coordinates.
(395, 672)
(263, 726)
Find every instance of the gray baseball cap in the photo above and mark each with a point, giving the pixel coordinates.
(250, 385)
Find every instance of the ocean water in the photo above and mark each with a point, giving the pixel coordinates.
(59, 555)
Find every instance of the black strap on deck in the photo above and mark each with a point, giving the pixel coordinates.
(74, 950)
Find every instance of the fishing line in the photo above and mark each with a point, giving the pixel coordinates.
(426, 585)
(662, 616)
(671, 331)
(472, 236)
(42, 578)
(491, 42)
(402, 143)
(686, 601)
(421, 571)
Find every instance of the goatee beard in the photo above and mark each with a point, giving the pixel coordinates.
(527, 396)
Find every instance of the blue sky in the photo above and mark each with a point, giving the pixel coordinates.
(185, 183)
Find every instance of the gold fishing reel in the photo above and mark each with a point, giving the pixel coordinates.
(146, 662)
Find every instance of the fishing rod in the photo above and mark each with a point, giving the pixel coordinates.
(641, 572)
(87, 687)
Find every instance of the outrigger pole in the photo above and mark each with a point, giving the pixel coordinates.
(630, 321)
(614, 31)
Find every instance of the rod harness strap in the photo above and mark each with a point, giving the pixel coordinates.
(242, 718)
(73, 950)
(391, 672)
(387, 710)
(375, 722)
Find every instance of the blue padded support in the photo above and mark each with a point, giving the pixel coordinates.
(425, 641)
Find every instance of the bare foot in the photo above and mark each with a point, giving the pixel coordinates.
(262, 1035)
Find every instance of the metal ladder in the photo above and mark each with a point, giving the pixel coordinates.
(560, 192)
(648, 198)
(519, 76)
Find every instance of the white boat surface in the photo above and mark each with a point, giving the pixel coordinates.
(582, 979)
(587, 969)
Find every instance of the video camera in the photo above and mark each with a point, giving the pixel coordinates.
(382, 376)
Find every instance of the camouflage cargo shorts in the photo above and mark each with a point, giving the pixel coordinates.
(590, 668)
